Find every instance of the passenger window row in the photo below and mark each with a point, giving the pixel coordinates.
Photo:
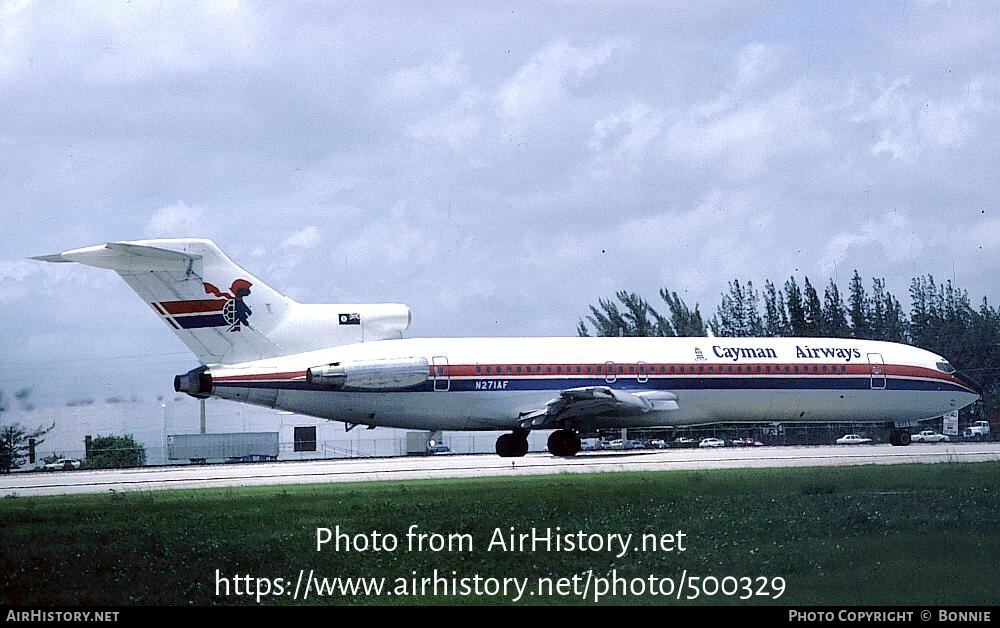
(663, 369)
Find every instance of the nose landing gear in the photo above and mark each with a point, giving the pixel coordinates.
(899, 438)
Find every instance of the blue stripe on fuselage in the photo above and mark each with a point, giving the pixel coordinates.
(654, 383)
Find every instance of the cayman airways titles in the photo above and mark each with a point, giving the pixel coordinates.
(801, 351)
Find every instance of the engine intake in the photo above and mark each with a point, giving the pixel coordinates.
(370, 375)
(196, 382)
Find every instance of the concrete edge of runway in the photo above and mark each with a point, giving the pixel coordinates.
(479, 465)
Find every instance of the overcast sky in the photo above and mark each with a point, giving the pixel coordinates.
(496, 166)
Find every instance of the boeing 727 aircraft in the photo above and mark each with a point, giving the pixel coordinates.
(350, 363)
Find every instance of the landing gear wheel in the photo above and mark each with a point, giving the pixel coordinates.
(512, 445)
(520, 446)
(564, 443)
(505, 446)
(899, 438)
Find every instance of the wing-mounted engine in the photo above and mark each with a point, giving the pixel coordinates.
(370, 375)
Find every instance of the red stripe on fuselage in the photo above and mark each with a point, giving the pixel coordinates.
(193, 307)
(652, 370)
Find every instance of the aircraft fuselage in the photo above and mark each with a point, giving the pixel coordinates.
(489, 383)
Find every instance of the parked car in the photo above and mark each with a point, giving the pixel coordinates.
(630, 443)
(712, 442)
(929, 436)
(438, 448)
(684, 441)
(658, 443)
(747, 442)
(853, 439)
(980, 430)
(589, 444)
(64, 464)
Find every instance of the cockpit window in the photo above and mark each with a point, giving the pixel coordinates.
(944, 366)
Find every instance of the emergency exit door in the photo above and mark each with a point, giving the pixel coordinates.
(877, 370)
(441, 374)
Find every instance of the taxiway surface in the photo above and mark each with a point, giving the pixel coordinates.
(458, 466)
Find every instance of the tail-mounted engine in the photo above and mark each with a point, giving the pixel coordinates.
(370, 375)
(196, 382)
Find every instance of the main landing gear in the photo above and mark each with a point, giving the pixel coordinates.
(564, 443)
(561, 443)
(513, 445)
(898, 437)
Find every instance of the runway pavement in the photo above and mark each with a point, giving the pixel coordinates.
(456, 466)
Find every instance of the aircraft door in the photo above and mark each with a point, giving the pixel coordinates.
(440, 373)
(878, 371)
(642, 372)
(609, 372)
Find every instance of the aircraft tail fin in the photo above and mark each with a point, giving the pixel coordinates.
(224, 314)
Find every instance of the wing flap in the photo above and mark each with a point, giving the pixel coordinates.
(590, 401)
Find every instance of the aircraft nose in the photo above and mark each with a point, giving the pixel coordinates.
(968, 382)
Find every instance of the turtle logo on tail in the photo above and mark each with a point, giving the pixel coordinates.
(235, 312)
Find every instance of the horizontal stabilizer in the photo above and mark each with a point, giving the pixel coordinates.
(224, 314)
(125, 257)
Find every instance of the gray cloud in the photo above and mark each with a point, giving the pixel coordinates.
(498, 167)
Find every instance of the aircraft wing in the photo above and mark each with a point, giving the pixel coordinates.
(591, 401)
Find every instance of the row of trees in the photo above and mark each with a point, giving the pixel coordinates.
(16, 441)
(636, 317)
(114, 452)
(800, 311)
(941, 318)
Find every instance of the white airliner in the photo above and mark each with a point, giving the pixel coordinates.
(349, 362)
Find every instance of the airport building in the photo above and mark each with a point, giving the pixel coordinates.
(299, 437)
